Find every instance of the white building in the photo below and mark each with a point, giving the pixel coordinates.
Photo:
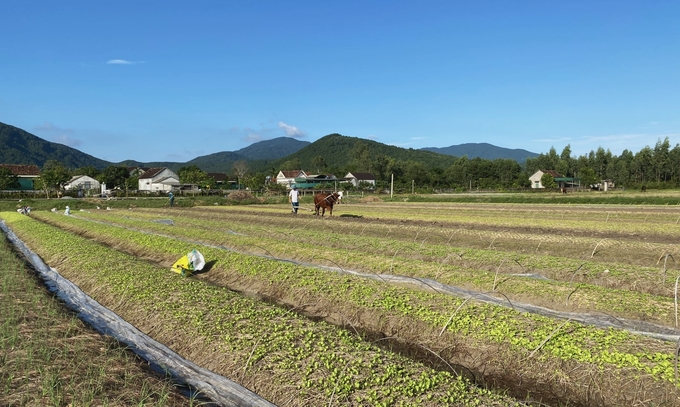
(536, 178)
(287, 178)
(158, 179)
(355, 178)
(82, 182)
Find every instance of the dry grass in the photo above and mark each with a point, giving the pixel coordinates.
(50, 357)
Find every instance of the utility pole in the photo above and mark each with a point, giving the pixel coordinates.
(392, 186)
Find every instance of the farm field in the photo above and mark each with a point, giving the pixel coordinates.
(48, 357)
(395, 303)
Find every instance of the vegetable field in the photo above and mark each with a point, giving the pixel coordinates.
(404, 303)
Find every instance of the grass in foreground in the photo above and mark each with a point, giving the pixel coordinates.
(49, 357)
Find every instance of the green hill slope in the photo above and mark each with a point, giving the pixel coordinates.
(21, 147)
(484, 150)
(339, 151)
(257, 155)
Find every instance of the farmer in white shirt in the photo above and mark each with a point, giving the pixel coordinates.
(293, 198)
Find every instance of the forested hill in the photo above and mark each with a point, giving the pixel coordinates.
(484, 150)
(258, 155)
(22, 147)
(272, 149)
(338, 151)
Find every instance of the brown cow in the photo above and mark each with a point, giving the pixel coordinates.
(326, 201)
(563, 190)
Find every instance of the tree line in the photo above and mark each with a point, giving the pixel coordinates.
(657, 167)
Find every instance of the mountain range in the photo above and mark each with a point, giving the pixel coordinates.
(22, 147)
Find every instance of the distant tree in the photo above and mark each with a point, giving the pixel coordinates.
(543, 162)
(362, 156)
(7, 179)
(240, 169)
(193, 175)
(275, 188)
(548, 181)
(293, 164)
(522, 180)
(53, 176)
(643, 165)
(600, 161)
(661, 160)
(132, 182)
(255, 181)
(415, 171)
(588, 177)
(319, 163)
(457, 174)
(565, 165)
(380, 167)
(114, 177)
(89, 171)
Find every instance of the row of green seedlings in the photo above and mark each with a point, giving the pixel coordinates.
(617, 302)
(325, 364)
(558, 267)
(577, 245)
(597, 222)
(642, 214)
(642, 252)
(609, 349)
(642, 257)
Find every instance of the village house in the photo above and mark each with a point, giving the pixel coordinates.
(536, 177)
(158, 179)
(287, 178)
(27, 175)
(82, 183)
(356, 178)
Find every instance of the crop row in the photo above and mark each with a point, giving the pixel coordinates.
(385, 256)
(632, 249)
(292, 359)
(571, 249)
(664, 221)
(523, 335)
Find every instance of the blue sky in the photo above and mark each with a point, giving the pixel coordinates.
(174, 80)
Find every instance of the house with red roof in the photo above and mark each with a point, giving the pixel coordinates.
(27, 175)
(287, 178)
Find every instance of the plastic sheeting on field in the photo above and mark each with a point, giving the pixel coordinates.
(218, 389)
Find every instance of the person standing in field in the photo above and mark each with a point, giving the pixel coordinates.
(171, 197)
(293, 198)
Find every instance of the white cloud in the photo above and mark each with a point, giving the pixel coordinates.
(67, 141)
(122, 62)
(292, 131)
(58, 135)
(50, 127)
(403, 145)
(252, 137)
(418, 138)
